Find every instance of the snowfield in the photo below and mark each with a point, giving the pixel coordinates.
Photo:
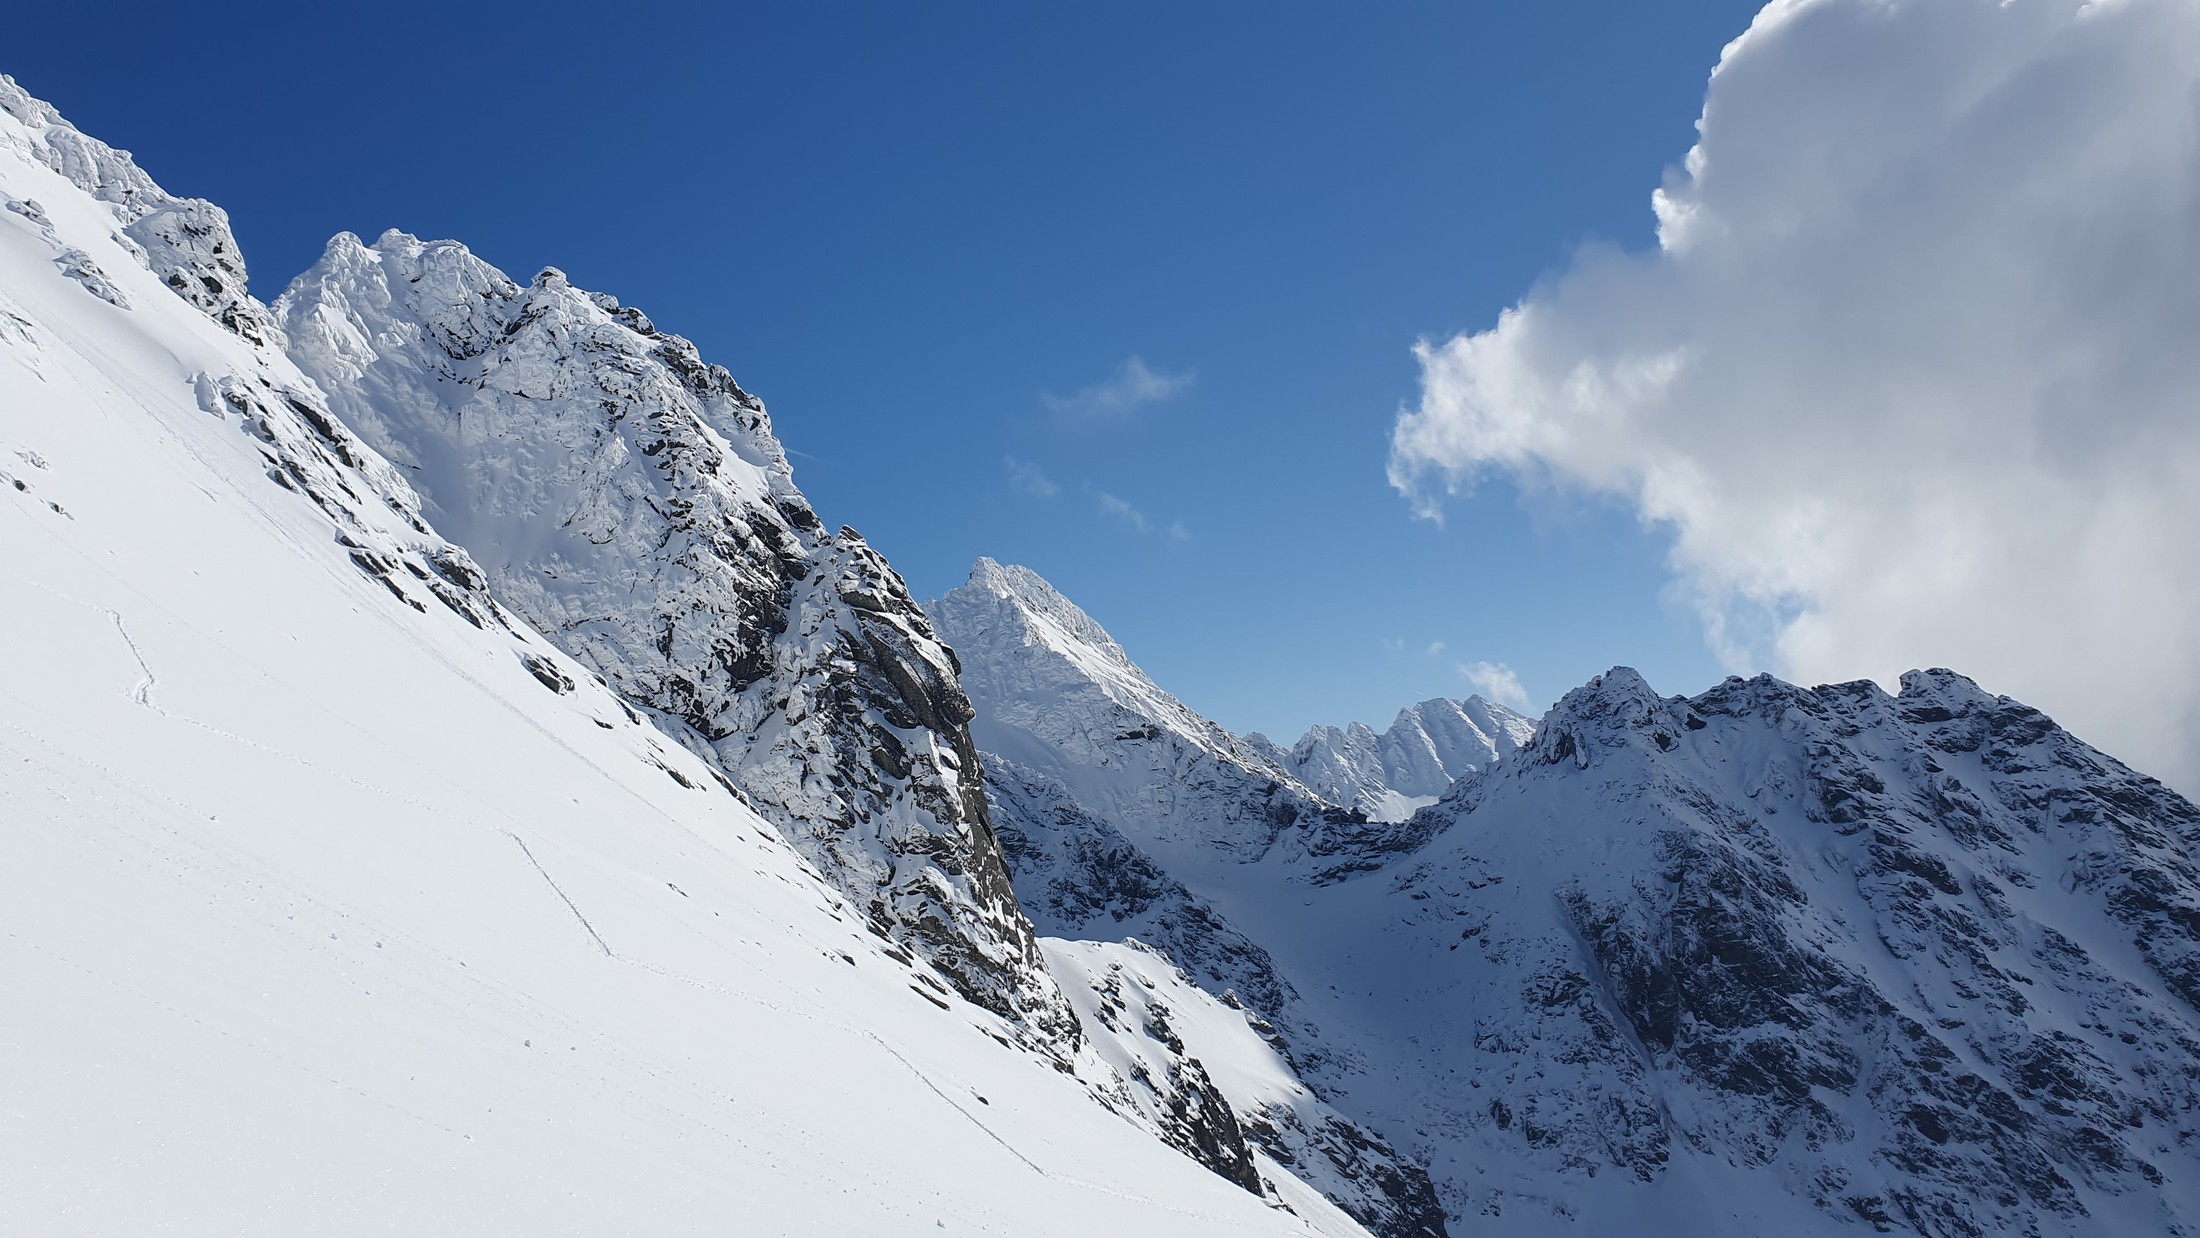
(338, 901)
(451, 781)
(1765, 960)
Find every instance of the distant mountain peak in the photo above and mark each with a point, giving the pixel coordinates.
(1428, 746)
(1018, 636)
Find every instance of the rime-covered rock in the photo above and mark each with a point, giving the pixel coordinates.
(311, 843)
(630, 501)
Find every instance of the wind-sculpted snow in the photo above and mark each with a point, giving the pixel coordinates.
(1409, 766)
(631, 502)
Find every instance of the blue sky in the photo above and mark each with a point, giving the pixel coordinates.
(1124, 292)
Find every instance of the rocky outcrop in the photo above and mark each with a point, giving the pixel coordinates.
(1212, 1078)
(630, 501)
(1918, 958)
(184, 241)
(186, 244)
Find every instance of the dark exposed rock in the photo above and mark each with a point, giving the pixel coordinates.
(1831, 902)
(630, 502)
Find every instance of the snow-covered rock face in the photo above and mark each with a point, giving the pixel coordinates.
(1409, 766)
(631, 502)
(122, 227)
(184, 241)
(1129, 798)
(1924, 961)
(1080, 878)
(311, 844)
(1208, 1070)
(1771, 959)
(1055, 694)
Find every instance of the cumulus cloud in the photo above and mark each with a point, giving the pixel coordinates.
(1496, 682)
(1026, 479)
(1115, 400)
(1913, 373)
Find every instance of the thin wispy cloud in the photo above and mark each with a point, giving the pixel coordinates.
(1112, 506)
(1122, 510)
(1115, 400)
(1026, 479)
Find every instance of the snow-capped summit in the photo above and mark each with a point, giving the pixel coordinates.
(338, 900)
(332, 823)
(1042, 665)
(1125, 814)
(1767, 959)
(630, 501)
(1410, 765)
(1923, 960)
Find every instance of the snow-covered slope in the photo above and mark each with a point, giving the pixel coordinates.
(1056, 695)
(1181, 1046)
(1922, 961)
(1138, 818)
(1767, 960)
(631, 503)
(1410, 765)
(340, 901)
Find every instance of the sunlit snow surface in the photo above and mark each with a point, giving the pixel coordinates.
(1765, 960)
(323, 913)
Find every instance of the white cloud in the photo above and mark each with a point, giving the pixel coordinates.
(1112, 506)
(1121, 510)
(1913, 377)
(1496, 682)
(1115, 400)
(1026, 479)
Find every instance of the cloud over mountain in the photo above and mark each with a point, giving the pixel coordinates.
(1910, 374)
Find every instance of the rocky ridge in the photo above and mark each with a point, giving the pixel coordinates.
(1410, 764)
(1924, 960)
(858, 751)
(1129, 802)
(630, 501)
(1766, 958)
(186, 244)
